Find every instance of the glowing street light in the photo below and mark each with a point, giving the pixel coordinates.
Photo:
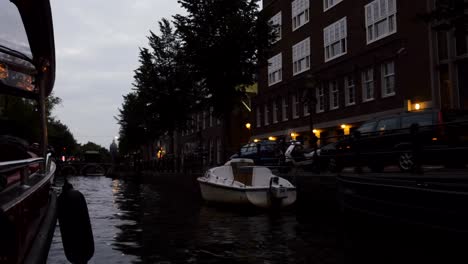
(248, 126)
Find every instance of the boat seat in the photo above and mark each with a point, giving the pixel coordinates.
(13, 148)
(242, 174)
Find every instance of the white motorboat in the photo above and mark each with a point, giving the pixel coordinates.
(240, 182)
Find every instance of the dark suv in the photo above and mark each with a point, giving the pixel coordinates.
(432, 137)
(262, 153)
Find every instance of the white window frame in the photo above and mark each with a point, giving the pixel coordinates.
(320, 99)
(386, 76)
(276, 22)
(349, 85)
(295, 106)
(380, 13)
(305, 105)
(301, 56)
(259, 117)
(334, 93)
(275, 69)
(329, 4)
(335, 38)
(284, 109)
(300, 13)
(266, 115)
(367, 80)
(275, 112)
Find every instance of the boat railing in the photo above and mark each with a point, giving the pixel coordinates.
(23, 166)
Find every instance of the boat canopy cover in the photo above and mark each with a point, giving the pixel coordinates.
(27, 51)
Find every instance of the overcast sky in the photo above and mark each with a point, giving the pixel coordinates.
(97, 51)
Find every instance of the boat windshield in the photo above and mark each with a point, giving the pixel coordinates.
(12, 32)
(16, 69)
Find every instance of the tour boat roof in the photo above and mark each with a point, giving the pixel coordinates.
(37, 19)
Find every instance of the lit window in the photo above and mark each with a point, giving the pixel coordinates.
(368, 85)
(350, 91)
(275, 21)
(334, 39)
(284, 109)
(259, 117)
(266, 115)
(320, 99)
(327, 4)
(275, 73)
(275, 112)
(301, 56)
(380, 19)
(300, 13)
(295, 106)
(334, 95)
(388, 79)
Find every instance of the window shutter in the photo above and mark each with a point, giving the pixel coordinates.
(369, 15)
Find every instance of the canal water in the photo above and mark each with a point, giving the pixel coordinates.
(166, 222)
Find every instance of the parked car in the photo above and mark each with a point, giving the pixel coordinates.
(266, 153)
(432, 137)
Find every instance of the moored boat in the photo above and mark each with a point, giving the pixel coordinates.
(27, 73)
(240, 182)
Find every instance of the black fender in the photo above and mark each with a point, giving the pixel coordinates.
(75, 225)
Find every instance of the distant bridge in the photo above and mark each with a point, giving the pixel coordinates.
(84, 168)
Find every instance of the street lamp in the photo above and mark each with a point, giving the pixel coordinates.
(248, 126)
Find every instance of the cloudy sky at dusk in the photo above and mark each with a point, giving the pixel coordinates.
(97, 51)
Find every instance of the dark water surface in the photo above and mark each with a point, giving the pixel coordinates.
(166, 222)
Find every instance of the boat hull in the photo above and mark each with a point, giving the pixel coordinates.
(259, 197)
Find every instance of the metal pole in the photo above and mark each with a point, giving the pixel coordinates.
(43, 119)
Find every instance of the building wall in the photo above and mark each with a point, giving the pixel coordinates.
(409, 48)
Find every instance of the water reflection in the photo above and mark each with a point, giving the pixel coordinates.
(168, 223)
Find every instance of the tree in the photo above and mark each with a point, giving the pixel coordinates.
(223, 43)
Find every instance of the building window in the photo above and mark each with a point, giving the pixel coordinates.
(300, 13)
(204, 120)
(284, 109)
(211, 116)
(259, 117)
(275, 21)
(301, 56)
(461, 43)
(380, 19)
(295, 106)
(218, 150)
(275, 112)
(275, 73)
(305, 104)
(368, 85)
(266, 115)
(388, 79)
(327, 4)
(350, 91)
(320, 99)
(210, 151)
(334, 95)
(193, 123)
(334, 39)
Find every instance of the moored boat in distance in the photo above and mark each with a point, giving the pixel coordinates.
(240, 182)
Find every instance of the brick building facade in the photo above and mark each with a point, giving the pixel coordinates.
(359, 59)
